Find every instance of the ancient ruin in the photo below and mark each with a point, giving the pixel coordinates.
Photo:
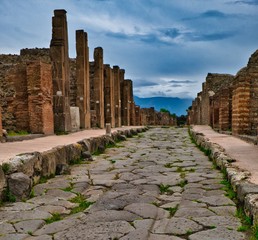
(44, 91)
(109, 97)
(83, 78)
(60, 66)
(229, 103)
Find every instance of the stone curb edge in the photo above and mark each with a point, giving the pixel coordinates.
(247, 192)
(25, 170)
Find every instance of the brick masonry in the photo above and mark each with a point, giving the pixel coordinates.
(229, 102)
(39, 87)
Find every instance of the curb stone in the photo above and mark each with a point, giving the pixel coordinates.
(247, 193)
(44, 164)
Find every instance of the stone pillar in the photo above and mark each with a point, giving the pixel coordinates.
(225, 109)
(1, 127)
(109, 95)
(241, 104)
(40, 97)
(97, 89)
(83, 80)
(132, 113)
(137, 115)
(117, 96)
(125, 102)
(60, 62)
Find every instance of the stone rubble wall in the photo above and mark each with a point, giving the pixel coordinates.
(247, 193)
(35, 165)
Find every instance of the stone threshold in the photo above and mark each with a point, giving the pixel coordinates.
(22, 172)
(247, 192)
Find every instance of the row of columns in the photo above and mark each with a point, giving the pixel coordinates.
(102, 94)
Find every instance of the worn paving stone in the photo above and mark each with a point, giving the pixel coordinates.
(29, 226)
(146, 210)
(223, 221)
(218, 234)
(110, 216)
(224, 210)
(176, 226)
(100, 230)
(217, 200)
(6, 228)
(16, 236)
(42, 237)
(193, 212)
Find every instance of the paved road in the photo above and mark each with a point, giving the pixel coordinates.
(157, 185)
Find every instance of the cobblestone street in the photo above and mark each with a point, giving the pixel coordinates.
(156, 185)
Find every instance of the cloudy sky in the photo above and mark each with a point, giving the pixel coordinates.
(166, 47)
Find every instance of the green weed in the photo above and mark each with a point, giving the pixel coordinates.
(55, 217)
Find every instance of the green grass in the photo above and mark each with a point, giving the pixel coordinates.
(18, 133)
(6, 167)
(182, 183)
(44, 179)
(172, 211)
(8, 196)
(164, 188)
(83, 204)
(55, 217)
(230, 193)
(168, 165)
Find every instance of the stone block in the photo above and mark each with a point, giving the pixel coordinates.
(19, 184)
(75, 118)
(3, 182)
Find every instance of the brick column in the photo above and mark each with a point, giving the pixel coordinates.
(60, 63)
(83, 80)
(109, 95)
(225, 113)
(117, 96)
(97, 89)
(40, 97)
(241, 104)
(132, 113)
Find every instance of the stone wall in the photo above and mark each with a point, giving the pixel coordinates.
(229, 102)
(40, 97)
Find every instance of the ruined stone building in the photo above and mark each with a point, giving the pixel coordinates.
(45, 91)
(229, 102)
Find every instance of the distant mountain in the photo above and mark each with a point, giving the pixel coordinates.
(174, 105)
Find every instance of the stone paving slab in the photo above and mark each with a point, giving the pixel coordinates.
(157, 186)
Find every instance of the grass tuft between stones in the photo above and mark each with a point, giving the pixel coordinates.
(83, 204)
(55, 217)
(163, 188)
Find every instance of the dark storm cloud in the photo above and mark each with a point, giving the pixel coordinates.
(182, 81)
(143, 83)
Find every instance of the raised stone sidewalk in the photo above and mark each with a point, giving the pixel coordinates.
(155, 186)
